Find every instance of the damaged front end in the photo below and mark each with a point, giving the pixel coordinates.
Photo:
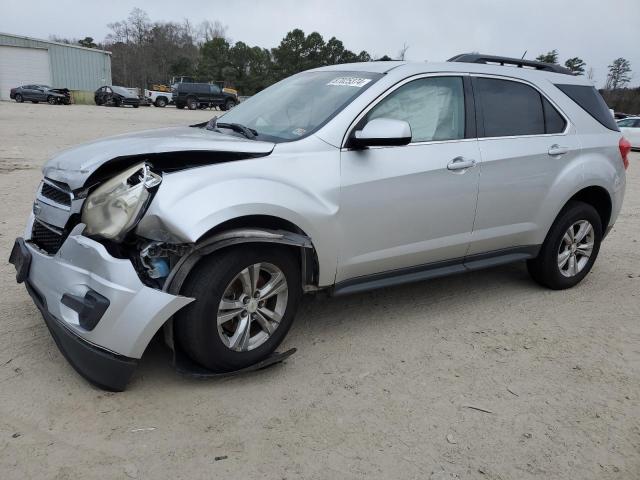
(104, 288)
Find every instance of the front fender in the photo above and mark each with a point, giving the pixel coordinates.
(302, 191)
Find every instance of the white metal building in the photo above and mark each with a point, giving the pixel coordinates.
(25, 60)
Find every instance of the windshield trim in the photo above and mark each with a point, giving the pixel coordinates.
(375, 77)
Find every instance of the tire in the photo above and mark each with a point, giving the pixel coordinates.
(229, 104)
(192, 103)
(136, 105)
(160, 102)
(196, 328)
(51, 100)
(19, 98)
(117, 102)
(562, 245)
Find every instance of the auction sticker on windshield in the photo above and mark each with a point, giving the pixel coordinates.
(349, 82)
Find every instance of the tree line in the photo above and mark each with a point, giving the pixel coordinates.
(146, 52)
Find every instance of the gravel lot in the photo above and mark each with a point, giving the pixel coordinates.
(381, 386)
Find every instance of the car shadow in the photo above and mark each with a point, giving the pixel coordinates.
(322, 318)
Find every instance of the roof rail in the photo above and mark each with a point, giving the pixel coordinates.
(518, 62)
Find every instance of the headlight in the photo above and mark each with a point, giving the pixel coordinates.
(115, 207)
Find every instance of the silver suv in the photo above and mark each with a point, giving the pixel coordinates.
(344, 178)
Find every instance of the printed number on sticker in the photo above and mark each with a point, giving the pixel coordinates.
(349, 82)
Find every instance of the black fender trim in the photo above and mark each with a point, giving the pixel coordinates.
(180, 271)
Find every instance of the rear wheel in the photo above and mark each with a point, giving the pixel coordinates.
(570, 249)
(160, 102)
(246, 299)
(192, 103)
(19, 98)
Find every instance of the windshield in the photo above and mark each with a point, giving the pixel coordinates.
(299, 105)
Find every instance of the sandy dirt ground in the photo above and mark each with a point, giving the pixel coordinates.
(381, 387)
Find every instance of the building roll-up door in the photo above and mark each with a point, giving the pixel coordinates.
(20, 66)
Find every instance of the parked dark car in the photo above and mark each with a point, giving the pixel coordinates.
(116, 96)
(37, 93)
(203, 95)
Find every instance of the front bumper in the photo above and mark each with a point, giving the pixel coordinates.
(107, 353)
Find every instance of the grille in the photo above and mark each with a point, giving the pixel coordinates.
(55, 194)
(45, 238)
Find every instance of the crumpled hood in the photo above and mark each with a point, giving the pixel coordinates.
(75, 165)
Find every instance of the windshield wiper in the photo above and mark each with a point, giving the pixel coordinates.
(250, 133)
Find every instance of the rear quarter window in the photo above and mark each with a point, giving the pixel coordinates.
(590, 100)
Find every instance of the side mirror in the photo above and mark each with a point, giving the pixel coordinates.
(382, 132)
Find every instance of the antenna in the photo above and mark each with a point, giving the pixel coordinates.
(522, 57)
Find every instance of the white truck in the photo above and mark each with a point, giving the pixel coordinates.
(158, 98)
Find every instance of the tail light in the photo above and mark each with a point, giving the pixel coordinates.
(625, 148)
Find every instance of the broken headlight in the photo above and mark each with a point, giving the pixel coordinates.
(115, 207)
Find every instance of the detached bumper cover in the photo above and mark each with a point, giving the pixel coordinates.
(105, 352)
(102, 368)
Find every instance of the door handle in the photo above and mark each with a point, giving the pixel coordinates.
(460, 163)
(557, 150)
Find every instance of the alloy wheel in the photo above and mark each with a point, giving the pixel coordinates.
(252, 307)
(575, 248)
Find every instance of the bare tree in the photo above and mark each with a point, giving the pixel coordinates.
(591, 73)
(403, 51)
(209, 30)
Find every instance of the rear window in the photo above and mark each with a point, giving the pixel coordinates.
(591, 102)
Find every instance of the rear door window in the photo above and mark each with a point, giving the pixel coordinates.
(553, 121)
(510, 108)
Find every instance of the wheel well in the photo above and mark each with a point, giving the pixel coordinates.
(599, 199)
(310, 259)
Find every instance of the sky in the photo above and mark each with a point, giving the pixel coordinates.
(598, 31)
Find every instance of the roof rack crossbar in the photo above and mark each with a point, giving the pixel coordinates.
(518, 62)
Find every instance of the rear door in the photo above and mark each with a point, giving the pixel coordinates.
(215, 95)
(27, 92)
(525, 141)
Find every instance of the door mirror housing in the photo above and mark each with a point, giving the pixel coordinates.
(382, 132)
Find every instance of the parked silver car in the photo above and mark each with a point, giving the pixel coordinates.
(344, 178)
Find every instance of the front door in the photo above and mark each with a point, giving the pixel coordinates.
(411, 205)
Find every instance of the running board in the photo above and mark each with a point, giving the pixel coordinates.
(435, 270)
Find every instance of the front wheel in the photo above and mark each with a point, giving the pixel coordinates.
(192, 104)
(51, 100)
(19, 98)
(246, 299)
(570, 249)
